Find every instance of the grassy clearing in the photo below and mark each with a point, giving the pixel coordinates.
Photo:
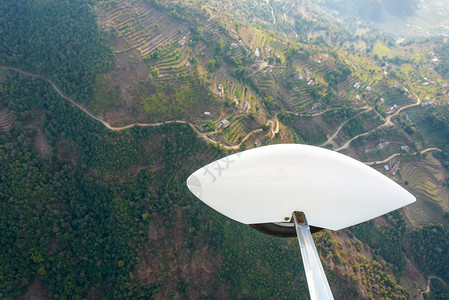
(407, 69)
(170, 102)
(238, 91)
(106, 97)
(310, 130)
(381, 50)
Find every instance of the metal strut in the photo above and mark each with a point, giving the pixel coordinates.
(316, 278)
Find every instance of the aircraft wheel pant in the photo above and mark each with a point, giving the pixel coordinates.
(278, 230)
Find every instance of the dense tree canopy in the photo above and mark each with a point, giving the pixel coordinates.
(60, 39)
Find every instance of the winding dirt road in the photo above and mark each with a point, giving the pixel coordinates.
(204, 136)
(272, 12)
(399, 154)
(274, 124)
(428, 284)
(386, 123)
(331, 138)
(311, 115)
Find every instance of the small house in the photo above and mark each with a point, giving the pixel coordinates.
(223, 124)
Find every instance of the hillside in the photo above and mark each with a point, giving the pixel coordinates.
(103, 119)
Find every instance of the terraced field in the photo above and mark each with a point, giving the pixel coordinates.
(301, 92)
(263, 81)
(393, 95)
(212, 32)
(297, 94)
(278, 49)
(423, 212)
(172, 65)
(348, 87)
(427, 176)
(236, 131)
(141, 25)
(5, 119)
(230, 84)
(318, 65)
(252, 37)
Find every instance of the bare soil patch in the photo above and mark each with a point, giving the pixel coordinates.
(118, 92)
(312, 130)
(413, 281)
(41, 145)
(36, 291)
(341, 94)
(381, 222)
(66, 149)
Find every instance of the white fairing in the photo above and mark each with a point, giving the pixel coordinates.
(267, 184)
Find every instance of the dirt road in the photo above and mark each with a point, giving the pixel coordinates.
(331, 138)
(386, 123)
(274, 124)
(107, 125)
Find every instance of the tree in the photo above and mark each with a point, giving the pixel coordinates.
(213, 64)
(210, 125)
(156, 72)
(210, 65)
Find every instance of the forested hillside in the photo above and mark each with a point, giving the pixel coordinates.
(104, 214)
(60, 39)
